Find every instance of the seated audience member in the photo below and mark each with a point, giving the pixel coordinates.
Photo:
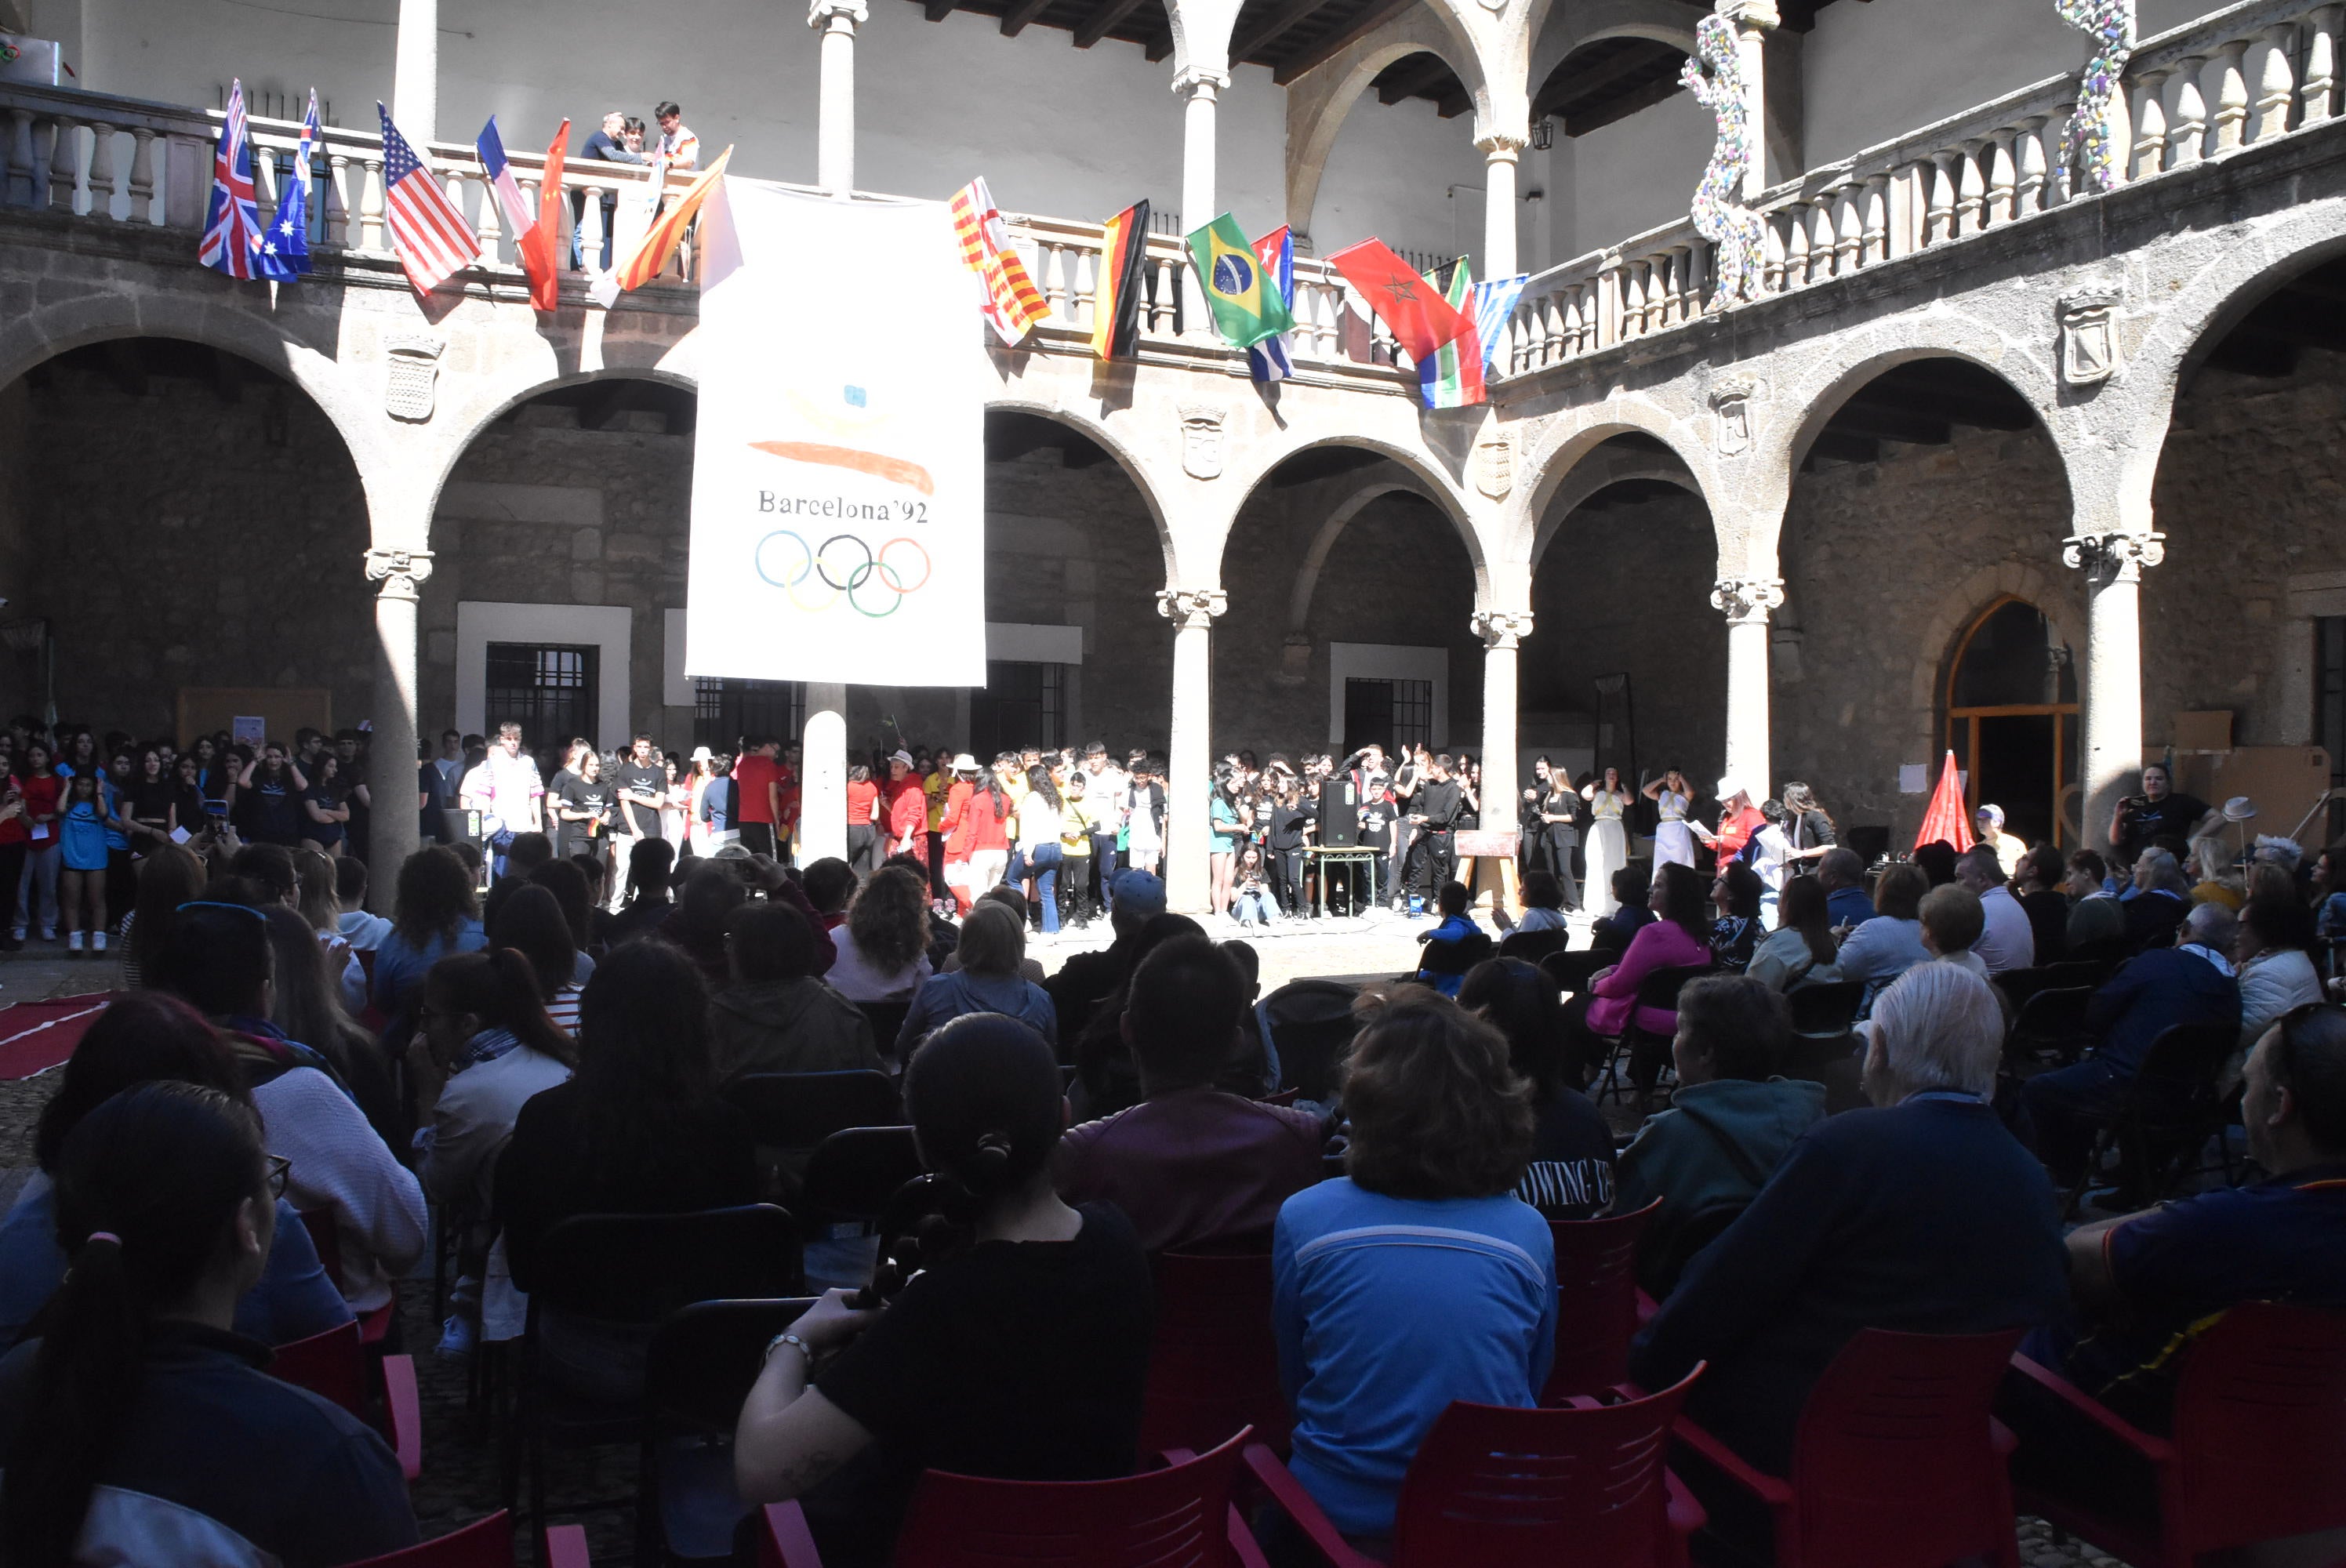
(486, 1048)
(2006, 940)
(1421, 1257)
(304, 1007)
(883, 948)
(828, 884)
(1921, 1215)
(1252, 1067)
(530, 922)
(2086, 880)
(2276, 971)
(2190, 984)
(1086, 980)
(1729, 1127)
(993, 943)
(574, 895)
(2328, 891)
(1107, 1081)
(139, 1428)
(1542, 897)
(638, 1129)
(365, 932)
(1842, 873)
(219, 960)
(1570, 1175)
(647, 904)
(968, 1369)
(525, 854)
(1456, 924)
(1190, 1167)
(2038, 886)
(1937, 860)
(2146, 1284)
(696, 927)
(1891, 943)
(2207, 867)
(1632, 911)
(320, 910)
(1736, 925)
(1030, 967)
(435, 915)
(2158, 903)
(1678, 938)
(775, 1016)
(1952, 922)
(1800, 950)
(147, 1037)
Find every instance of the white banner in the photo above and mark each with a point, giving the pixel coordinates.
(837, 486)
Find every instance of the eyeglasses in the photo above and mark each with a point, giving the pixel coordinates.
(281, 1173)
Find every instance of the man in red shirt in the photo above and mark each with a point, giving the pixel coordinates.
(906, 808)
(756, 779)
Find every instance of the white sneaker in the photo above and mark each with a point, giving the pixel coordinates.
(48, 933)
(459, 1338)
(98, 942)
(73, 941)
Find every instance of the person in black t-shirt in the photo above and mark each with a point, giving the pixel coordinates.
(2158, 812)
(641, 790)
(969, 1369)
(150, 807)
(584, 810)
(1289, 814)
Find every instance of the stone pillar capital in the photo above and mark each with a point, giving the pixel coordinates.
(1500, 147)
(2115, 555)
(1755, 14)
(1190, 609)
(1502, 629)
(822, 15)
(399, 571)
(1199, 81)
(1746, 601)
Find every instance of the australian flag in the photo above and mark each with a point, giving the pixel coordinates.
(231, 238)
(1268, 360)
(284, 252)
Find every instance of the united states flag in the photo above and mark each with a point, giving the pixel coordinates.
(433, 239)
(232, 227)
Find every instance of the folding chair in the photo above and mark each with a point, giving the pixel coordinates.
(486, 1543)
(334, 1365)
(1597, 1301)
(1213, 1365)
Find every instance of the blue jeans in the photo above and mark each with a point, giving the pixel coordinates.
(1041, 863)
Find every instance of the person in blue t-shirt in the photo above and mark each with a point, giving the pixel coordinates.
(1455, 924)
(1419, 1278)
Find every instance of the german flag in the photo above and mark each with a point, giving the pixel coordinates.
(1115, 301)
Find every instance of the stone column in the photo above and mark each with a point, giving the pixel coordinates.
(1190, 755)
(415, 73)
(822, 762)
(1752, 20)
(2110, 722)
(391, 759)
(1502, 631)
(1499, 156)
(835, 157)
(1198, 90)
(1746, 601)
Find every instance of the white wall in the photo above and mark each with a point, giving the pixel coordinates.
(1633, 175)
(1388, 175)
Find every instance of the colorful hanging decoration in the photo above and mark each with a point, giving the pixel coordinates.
(1714, 75)
(2093, 143)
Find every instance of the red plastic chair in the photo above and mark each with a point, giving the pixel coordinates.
(1213, 1366)
(333, 1366)
(1597, 1302)
(2258, 1450)
(1898, 1462)
(486, 1544)
(1499, 1488)
(373, 1324)
(1179, 1514)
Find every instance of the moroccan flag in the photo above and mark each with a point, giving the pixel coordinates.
(1420, 319)
(1269, 360)
(1452, 378)
(536, 247)
(1245, 304)
(1116, 294)
(1947, 816)
(1007, 296)
(660, 243)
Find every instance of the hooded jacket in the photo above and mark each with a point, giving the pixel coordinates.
(1714, 1148)
(788, 1026)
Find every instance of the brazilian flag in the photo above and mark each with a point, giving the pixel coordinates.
(1245, 304)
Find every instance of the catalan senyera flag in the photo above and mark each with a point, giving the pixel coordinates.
(1116, 294)
(1010, 301)
(1452, 378)
(1246, 305)
(1420, 319)
(536, 247)
(660, 243)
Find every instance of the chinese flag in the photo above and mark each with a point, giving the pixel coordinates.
(1420, 319)
(1948, 818)
(537, 247)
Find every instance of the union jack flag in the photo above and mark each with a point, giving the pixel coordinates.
(285, 249)
(431, 236)
(232, 227)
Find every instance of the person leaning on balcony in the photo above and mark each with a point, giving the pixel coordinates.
(605, 146)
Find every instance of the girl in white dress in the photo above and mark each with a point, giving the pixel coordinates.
(1608, 839)
(1673, 842)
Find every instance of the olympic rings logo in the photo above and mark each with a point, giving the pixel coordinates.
(845, 565)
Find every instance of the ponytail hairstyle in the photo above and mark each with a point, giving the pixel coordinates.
(148, 1186)
(499, 986)
(984, 1098)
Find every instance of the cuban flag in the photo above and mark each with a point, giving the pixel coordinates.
(285, 249)
(1268, 359)
(232, 227)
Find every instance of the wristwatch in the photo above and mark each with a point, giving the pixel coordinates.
(787, 1338)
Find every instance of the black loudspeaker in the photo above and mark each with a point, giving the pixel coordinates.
(1340, 813)
(459, 826)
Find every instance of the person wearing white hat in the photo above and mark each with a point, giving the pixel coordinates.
(963, 771)
(904, 808)
(1738, 818)
(2009, 849)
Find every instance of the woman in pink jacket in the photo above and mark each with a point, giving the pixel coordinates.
(1680, 939)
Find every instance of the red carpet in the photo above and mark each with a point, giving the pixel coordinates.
(35, 1036)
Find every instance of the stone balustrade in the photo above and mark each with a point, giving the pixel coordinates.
(2258, 70)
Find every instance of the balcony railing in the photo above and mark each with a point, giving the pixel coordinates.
(2243, 76)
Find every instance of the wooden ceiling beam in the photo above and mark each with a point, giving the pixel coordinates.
(1161, 46)
(1244, 45)
(1379, 13)
(1570, 89)
(1019, 13)
(1421, 72)
(1454, 103)
(1103, 20)
(938, 10)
